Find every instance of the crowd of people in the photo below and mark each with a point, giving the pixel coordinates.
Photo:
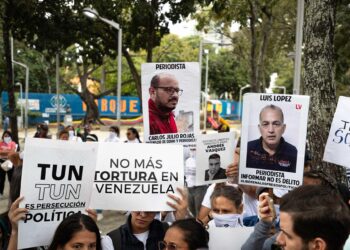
(313, 216)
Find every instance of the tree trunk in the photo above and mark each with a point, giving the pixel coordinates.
(319, 62)
(253, 58)
(134, 73)
(92, 113)
(266, 30)
(10, 88)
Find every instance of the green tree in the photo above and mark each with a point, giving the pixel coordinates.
(266, 26)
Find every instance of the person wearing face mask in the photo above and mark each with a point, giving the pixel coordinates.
(72, 136)
(7, 146)
(227, 207)
(113, 134)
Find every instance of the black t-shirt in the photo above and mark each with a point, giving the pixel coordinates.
(284, 159)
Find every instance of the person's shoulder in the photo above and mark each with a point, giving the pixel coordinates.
(254, 143)
(290, 147)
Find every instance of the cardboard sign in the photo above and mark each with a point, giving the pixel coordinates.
(170, 102)
(273, 140)
(214, 152)
(338, 144)
(56, 182)
(137, 177)
(228, 238)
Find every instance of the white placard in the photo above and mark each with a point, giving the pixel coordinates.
(228, 238)
(57, 181)
(137, 177)
(273, 140)
(214, 152)
(338, 144)
(184, 108)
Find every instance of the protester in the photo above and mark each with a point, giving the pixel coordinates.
(63, 135)
(164, 95)
(77, 231)
(227, 207)
(113, 134)
(133, 135)
(42, 131)
(250, 202)
(72, 135)
(311, 217)
(5, 123)
(87, 129)
(15, 187)
(142, 230)
(6, 147)
(185, 234)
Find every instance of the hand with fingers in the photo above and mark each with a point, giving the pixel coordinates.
(15, 214)
(266, 208)
(232, 169)
(92, 213)
(180, 205)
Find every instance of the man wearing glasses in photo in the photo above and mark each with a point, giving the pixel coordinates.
(164, 96)
(271, 151)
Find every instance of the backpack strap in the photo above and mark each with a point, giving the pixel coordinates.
(116, 236)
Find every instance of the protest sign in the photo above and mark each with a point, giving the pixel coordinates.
(170, 102)
(55, 184)
(137, 177)
(337, 149)
(214, 152)
(273, 140)
(231, 238)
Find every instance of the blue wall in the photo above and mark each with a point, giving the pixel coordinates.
(43, 107)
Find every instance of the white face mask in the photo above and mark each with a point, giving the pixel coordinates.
(71, 133)
(7, 139)
(228, 220)
(112, 134)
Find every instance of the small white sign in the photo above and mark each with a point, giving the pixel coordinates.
(337, 149)
(214, 152)
(55, 184)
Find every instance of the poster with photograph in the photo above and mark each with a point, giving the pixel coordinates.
(137, 176)
(214, 152)
(273, 140)
(170, 102)
(337, 149)
(56, 182)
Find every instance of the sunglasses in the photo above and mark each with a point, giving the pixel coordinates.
(162, 245)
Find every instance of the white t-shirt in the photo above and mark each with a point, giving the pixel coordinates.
(107, 243)
(190, 171)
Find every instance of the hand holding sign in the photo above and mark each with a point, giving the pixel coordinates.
(266, 209)
(181, 204)
(15, 214)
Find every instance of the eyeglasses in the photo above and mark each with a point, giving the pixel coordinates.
(171, 90)
(162, 245)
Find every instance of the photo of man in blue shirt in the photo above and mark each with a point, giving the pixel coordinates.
(271, 151)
